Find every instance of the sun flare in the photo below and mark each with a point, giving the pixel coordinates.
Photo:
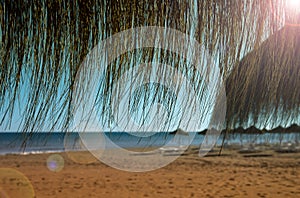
(294, 4)
(292, 12)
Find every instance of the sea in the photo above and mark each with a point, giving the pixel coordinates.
(43, 142)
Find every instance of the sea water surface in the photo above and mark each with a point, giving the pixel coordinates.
(25, 143)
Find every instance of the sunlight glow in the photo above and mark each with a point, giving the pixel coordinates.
(292, 12)
(294, 4)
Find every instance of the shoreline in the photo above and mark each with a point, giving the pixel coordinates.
(233, 147)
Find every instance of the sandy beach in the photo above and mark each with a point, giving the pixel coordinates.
(231, 175)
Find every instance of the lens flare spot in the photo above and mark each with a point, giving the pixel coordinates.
(3, 194)
(55, 163)
(14, 184)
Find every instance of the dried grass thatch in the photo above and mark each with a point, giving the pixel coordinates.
(43, 44)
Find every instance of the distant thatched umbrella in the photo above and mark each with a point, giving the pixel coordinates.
(264, 88)
(179, 132)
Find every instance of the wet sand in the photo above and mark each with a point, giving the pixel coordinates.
(265, 174)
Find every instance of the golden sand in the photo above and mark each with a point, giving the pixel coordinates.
(231, 175)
